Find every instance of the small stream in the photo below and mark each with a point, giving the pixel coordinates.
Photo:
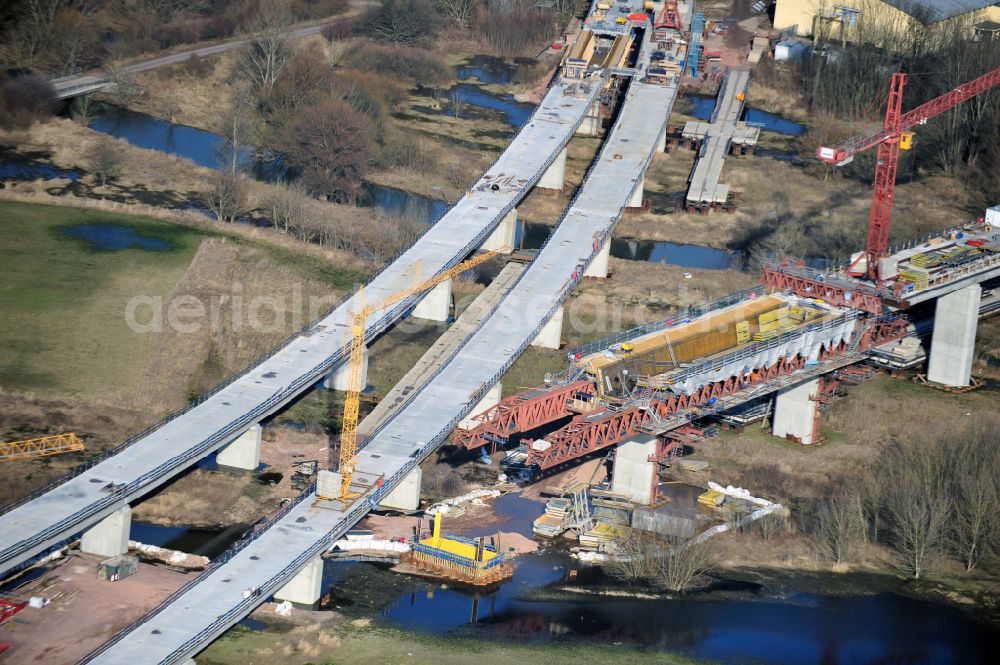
(702, 108)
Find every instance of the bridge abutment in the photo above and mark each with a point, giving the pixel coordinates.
(243, 452)
(339, 377)
(406, 495)
(555, 176)
(550, 336)
(795, 412)
(109, 537)
(955, 320)
(634, 475)
(436, 304)
(307, 585)
(599, 266)
(503, 235)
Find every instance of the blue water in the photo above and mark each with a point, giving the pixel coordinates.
(702, 108)
(404, 204)
(516, 114)
(112, 237)
(485, 69)
(145, 131)
(18, 170)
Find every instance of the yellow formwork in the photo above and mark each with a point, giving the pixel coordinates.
(462, 548)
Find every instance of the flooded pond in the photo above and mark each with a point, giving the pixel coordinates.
(485, 69)
(113, 237)
(702, 108)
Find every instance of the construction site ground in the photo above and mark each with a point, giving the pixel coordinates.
(85, 610)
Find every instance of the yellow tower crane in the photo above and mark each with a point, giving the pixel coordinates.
(349, 433)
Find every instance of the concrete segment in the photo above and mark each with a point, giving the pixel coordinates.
(634, 475)
(795, 411)
(244, 452)
(406, 495)
(307, 585)
(109, 537)
(555, 176)
(550, 336)
(340, 377)
(954, 339)
(599, 266)
(436, 305)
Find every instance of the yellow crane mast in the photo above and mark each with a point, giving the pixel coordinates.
(349, 433)
(42, 447)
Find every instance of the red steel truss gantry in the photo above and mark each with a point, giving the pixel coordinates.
(519, 413)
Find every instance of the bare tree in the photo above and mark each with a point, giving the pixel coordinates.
(665, 562)
(238, 126)
(329, 143)
(228, 197)
(977, 497)
(401, 21)
(918, 506)
(106, 159)
(285, 206)
(268, 51)
(841, 526)
(460, 13)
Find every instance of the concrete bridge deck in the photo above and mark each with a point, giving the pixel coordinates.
(203, 612)
(705, 187)
(160, 454)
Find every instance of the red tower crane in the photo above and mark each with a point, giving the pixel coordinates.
(894, 136)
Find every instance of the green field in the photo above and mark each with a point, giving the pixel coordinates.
(63, 328)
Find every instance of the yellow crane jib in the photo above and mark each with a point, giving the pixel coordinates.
(349, 433)
(41, 447)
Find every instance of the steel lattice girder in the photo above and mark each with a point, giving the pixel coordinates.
(520, 413)
(812, 288)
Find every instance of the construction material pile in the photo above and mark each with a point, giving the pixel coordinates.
(552, 523)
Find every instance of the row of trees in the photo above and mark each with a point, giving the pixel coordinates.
(927, 499)
(52, 36)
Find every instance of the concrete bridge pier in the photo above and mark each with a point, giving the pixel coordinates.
(599, 266)
(436, 304)
(109, 537)
(795, 412)
(635, 202)
(550, 336)
(634, 475)
(406, 495)
(661, 142)
(243, 452)
(591, 125)
(339, 377)
(503, 234)
(489, 400)
(554, 177)
(954, 339)
(307, 585)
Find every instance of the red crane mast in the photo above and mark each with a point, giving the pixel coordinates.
(894, 136)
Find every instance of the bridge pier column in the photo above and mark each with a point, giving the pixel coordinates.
(591, 125)
(436, 305)
(661, 142)
(795, 412)
(954, 338)
(555, 176)
(634, 475)
(243, 452)
(339, 377)
(489, 400)
(503, 234)
(109, 537)
(307, 585)
(550, 336)
(635, 201)
(599, 266)
(406, 495)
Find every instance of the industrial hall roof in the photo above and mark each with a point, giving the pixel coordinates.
(931, 11)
